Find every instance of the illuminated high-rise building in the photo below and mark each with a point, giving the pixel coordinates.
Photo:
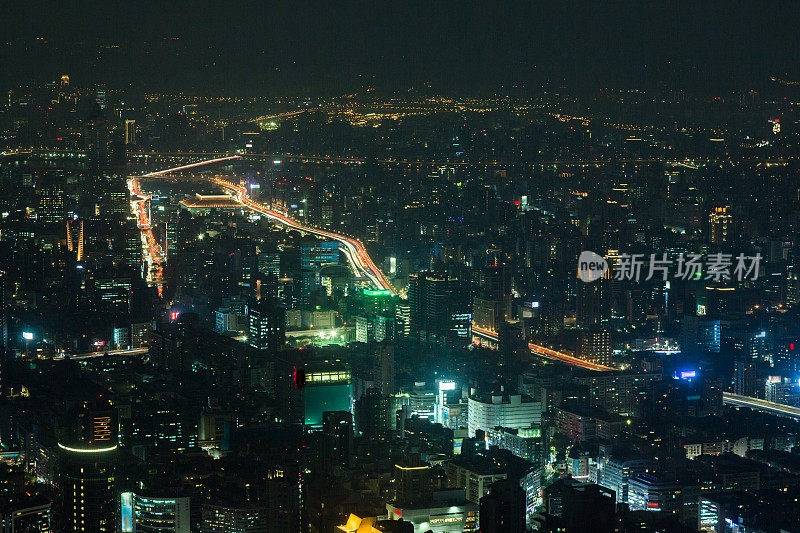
(266, 324)
(441, 307)
(87, 459)
(4, 297)
(75, 238)
(52, 207)
(372, 414)
(318, 253)
(514, 411)
(592, 308)
(720, 225)
(402, 317)
(227, 519)
(154, 514)
(130, 131)
(745, 373)
(100, 96)
(594, 346)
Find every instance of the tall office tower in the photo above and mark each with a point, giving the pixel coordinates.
(487, 314)
(4, 309)
(87, 459)
(97, 142)
(100, 96)
(720, 225)
(115, 203)
(441, 307)
(412, 480)
(269, 262)
(264, 285)
(308, 284)
(266, 324)
(130, 131)
(337, 440)
(745, 378)
(145, 513)
(378, 302)
(75, 238)
(503, 508)
(402, 317)
(593, 303)
(384, 368)
(372, 414)
(486, 412)
(700, 335)
(52, 207)
(222, 518)
(25, 512)
(793, 274)
(496, 280)
(594, 346)
(132, 245)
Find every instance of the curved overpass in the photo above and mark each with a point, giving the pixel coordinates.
(352, 247)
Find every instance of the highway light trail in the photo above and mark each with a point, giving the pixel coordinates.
(545, 352)
(150, 247)
(352, 247)
(564, 358)
(737, 400)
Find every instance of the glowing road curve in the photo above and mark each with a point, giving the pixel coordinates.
(353, 248)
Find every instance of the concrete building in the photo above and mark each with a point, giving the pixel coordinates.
(509, 411)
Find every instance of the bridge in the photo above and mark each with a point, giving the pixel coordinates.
(737, 400)
(104, 353)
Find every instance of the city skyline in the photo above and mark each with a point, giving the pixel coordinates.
(404, 268)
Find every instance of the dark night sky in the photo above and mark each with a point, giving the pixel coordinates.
(269, 47)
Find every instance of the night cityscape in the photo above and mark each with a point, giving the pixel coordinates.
(409, 268)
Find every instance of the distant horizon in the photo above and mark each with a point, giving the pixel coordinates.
(260, 49)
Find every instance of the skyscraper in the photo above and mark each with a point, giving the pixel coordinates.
(337, 439)
(130, 131)
(720, 225)
(594, 346)
(87, 459)
(52, 208)
(372, 414)
(266, 324)
(503, 508)
(441, 307)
